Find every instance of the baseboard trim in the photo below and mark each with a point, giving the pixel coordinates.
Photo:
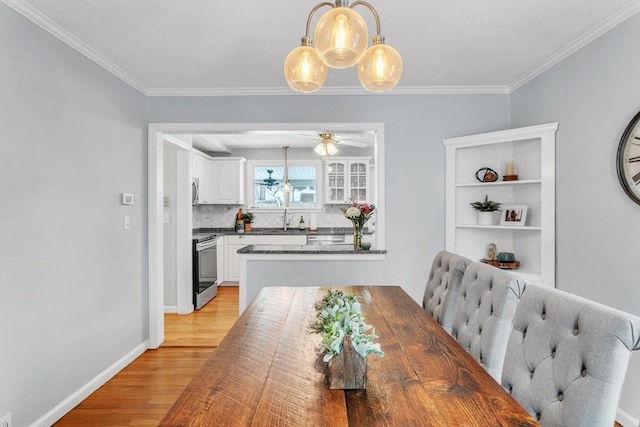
(83, 392)
(170, 308)
(626, 420)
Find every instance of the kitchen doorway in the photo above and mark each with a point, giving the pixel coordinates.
(157, 134)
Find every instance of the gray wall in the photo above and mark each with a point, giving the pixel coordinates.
(72, 282)
(593, 94)
(414, 129)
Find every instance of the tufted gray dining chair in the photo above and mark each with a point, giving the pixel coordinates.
(484, 312)
(567, 357)
(443, 287)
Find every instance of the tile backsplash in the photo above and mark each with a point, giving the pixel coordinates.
(223, 216)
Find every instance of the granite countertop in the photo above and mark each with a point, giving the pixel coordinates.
(292, 231)
(307, 249)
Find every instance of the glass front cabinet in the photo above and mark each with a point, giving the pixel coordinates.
(347, 179)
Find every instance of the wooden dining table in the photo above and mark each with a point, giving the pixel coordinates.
(268, 371)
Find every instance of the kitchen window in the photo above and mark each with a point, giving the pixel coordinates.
(266, 182)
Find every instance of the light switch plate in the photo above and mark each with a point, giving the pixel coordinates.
(127, 199)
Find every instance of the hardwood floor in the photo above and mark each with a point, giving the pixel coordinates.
(205, 327)
(142, 393)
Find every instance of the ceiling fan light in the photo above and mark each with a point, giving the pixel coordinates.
(341, 37)
(380, 68)
(320, 149)
(304, 71)
(325, 148)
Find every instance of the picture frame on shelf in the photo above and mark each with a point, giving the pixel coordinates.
(514, 215)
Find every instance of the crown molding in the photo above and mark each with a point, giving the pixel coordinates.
(47, 24)
(333, 91)
(44, 22)
(614, 20)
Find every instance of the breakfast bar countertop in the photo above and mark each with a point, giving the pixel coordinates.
(345, 249)
(291, 231)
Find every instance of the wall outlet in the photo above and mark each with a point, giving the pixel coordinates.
(5, 421)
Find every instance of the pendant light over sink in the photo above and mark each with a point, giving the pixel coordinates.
(341, 37)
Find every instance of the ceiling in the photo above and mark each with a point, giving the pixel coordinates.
(214, 47)
(226, 143)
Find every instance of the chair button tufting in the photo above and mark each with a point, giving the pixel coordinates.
(584, 372)
(575, 331)
(560, 396)
(544, 316)
(553, 353)
(531, 374)
(538, 416)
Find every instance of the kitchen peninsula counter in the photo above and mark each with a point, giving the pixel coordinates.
(346, 249)
(292, 231)
(305, 265)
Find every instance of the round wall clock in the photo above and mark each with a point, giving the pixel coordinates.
(628, 161)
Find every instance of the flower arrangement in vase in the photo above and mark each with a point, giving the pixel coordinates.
(359, 214)
(346, 339)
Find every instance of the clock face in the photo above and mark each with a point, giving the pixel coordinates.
(628, 163)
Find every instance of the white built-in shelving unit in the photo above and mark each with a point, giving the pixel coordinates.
(532, 149)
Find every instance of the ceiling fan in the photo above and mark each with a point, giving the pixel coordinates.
(328, 141)
(269, 181)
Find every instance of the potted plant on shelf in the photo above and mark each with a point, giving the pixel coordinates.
(247, 218)
(346, 339)
(485, 210)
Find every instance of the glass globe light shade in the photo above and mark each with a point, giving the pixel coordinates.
(341, 37)
(304, 71)
(380, 68)
(331, 148)
(326, 149)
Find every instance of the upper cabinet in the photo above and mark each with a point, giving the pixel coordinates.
(525, 225)
(347, 179)
(228, 175)
(221, 180)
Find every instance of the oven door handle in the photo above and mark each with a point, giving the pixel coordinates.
(206, 245)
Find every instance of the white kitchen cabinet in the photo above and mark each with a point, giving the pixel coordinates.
(347, 178)
(196, 165)
(202, 169)
(222, 181)
(532, 149)
(228, 176)
(235, 242)
(300, 239)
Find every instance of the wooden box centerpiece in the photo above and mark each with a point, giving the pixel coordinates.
(346, 340)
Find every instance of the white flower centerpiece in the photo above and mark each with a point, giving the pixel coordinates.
(346, 339)
(359, 214)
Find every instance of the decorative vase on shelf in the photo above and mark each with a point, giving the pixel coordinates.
(485, 218)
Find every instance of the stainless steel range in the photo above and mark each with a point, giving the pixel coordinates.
(205, 269)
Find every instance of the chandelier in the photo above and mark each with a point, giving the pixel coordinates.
(341, 37)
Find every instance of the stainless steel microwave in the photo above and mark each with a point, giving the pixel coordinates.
(195, 191)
